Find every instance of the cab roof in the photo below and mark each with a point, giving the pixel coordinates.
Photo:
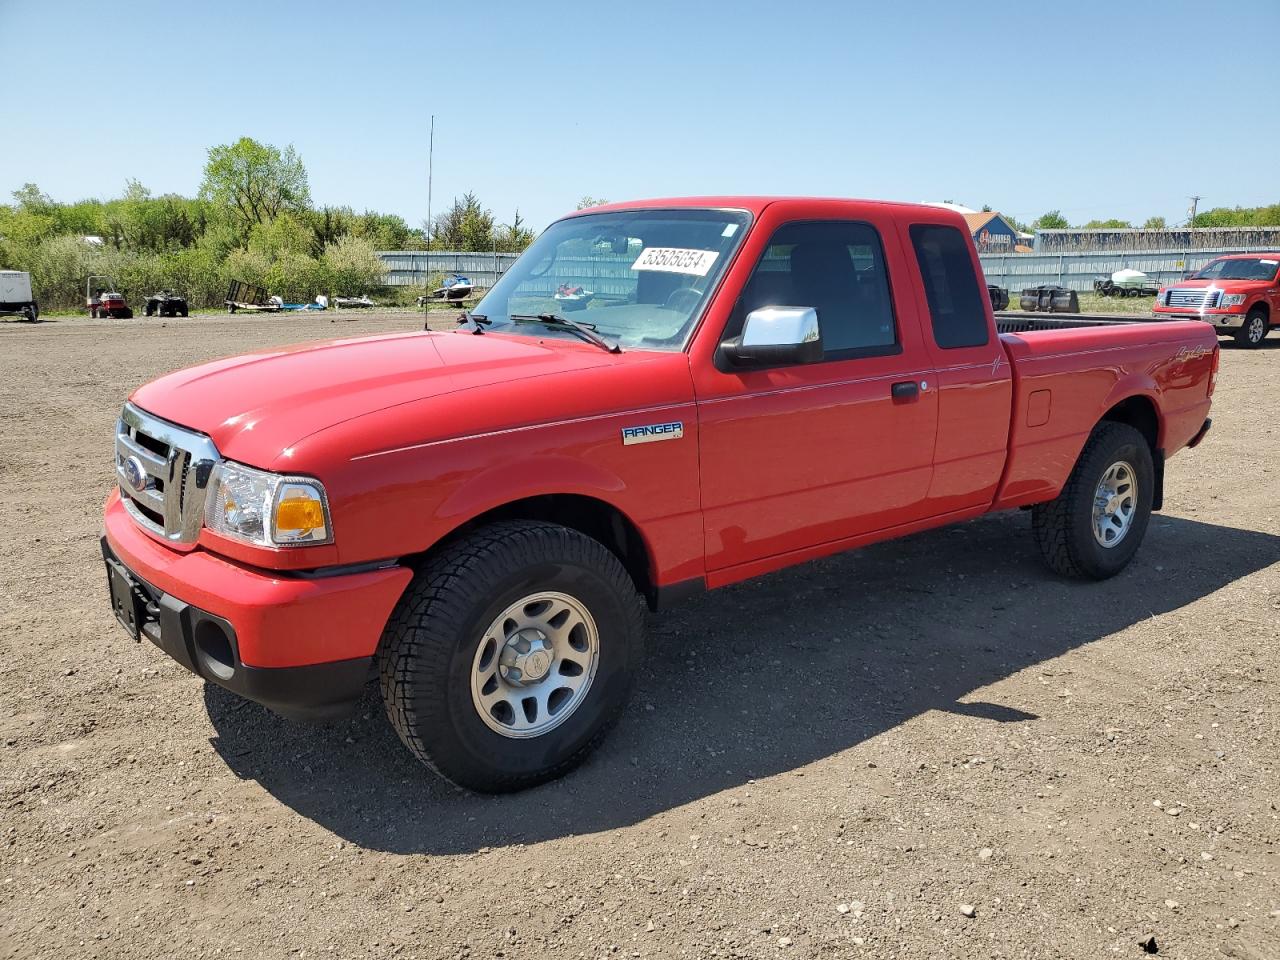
(756, 205)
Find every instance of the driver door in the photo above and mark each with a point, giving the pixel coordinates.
(799, 456)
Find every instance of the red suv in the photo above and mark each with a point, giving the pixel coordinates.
(1239, 293)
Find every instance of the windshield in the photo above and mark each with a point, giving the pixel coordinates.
(639, 278)
(1260, 269)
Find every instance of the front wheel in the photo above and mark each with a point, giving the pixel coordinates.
(1254, 330)
(1096, 524)
(511, 654)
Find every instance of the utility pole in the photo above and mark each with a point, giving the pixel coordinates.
(1191, 211)
(431, 149)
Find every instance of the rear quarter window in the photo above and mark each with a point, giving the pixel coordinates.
(957, 304)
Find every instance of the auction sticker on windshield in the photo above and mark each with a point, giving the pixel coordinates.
(676, 260)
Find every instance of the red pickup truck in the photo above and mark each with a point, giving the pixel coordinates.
(481, 515)
(1238, 294)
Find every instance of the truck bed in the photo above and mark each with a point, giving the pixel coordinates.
(1074, 369)
(1020, 321)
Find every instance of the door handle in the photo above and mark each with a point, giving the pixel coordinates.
(906, 390)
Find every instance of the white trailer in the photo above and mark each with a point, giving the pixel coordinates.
(15, 295)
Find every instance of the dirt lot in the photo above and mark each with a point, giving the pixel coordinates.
(828, 762)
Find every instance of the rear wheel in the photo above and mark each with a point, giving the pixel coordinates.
(1096, 524)
(511, 654)
(1254, 330)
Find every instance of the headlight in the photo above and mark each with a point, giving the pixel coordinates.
(1233, 299)
(267, 509)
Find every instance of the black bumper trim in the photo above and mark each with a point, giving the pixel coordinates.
(183, 631)
(1201, 433)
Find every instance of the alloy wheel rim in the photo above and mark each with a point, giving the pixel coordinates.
(1115, 504)
(534, 665)
(1255, 329)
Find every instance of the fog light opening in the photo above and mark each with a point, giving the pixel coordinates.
(214, 647)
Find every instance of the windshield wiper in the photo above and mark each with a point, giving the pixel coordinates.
(478, 321)
(557, 322)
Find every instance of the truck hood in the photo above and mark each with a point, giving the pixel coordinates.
(1230, 286)
(257, 405)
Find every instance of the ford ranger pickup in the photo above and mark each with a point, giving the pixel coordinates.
(479, 516)
(1238, 294)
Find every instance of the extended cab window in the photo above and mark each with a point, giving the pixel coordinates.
(837, 269)
(956, 301)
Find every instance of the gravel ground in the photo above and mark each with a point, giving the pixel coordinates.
(929, 748)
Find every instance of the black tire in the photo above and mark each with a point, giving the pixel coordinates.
(430, 646)
(1254, 330)
(182, 310)
(1064, 528)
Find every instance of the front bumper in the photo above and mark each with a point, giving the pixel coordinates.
(1219, 319)
(300, 644)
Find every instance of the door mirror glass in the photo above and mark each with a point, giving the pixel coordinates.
(776, 335)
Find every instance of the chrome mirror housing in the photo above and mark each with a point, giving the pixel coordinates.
(776, 335)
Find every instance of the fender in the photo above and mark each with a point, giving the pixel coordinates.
(537, 476)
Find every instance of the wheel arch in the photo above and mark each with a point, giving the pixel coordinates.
(589, 515)
(1140, 412)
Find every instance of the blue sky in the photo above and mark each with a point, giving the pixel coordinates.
(1081, 106)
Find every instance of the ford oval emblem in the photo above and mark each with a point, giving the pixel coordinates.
(134, 475)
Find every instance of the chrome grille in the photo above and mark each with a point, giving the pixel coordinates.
(1195, 298)
(163, 471)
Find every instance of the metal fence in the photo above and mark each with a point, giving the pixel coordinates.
(1077, 271)
(407, 268)
(1133, 240)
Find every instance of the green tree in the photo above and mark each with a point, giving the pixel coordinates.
(1053, 220)
(1016, 223)
(29, 198)
(251, 182)
(514, 236)
(590, 201)
(1108, 225)
(286, 234)
(1154, 223)
(1268, 216)
(466, 225)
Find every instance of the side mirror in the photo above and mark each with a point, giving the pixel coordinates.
(773, 336)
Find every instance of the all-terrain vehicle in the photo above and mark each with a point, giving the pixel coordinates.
(166, 303)
(104, 301)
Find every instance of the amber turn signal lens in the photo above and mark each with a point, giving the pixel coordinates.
(299, 513)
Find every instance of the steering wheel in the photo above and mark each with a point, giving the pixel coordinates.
(691, 294)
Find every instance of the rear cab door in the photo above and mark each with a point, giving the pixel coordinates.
(802, 455)
(972, 371)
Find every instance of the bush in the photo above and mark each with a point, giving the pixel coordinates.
(353, 267)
